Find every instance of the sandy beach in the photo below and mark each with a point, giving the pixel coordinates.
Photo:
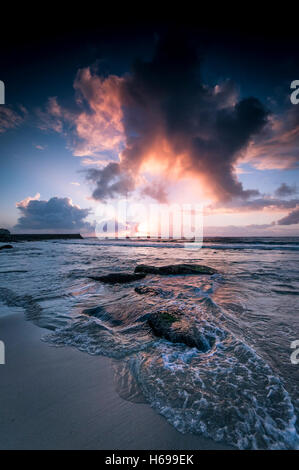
(61, 398)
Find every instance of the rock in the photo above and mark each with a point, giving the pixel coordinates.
(161, 321)
(5, 235)
(146, 290)
(170, 325)
(5, 247)
(175, 269)
(119, 278)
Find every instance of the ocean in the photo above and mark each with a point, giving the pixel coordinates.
(242, 390)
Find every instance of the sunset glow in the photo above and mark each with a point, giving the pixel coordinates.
(158, 130)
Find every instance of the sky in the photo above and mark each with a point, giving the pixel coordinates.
(156, 113)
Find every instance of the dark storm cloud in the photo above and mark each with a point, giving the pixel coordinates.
(110, 181)
(166, 97)
(157, 192)
(285, 190)
(56, 213)
(170, 116)
(291, 218)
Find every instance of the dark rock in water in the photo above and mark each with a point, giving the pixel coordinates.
(5, 235)
(175, 269)
(119, 278)
(5, 247)
(170, 325)
(147, 290)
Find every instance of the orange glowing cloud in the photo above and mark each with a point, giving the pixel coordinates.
(160, 125)
(100, 128)
(24, 203)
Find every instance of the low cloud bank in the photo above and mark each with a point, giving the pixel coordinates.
(55, 214)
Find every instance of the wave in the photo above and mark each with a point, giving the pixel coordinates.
(32, 309)
(221, 243)
(227, 393)
(254, 246)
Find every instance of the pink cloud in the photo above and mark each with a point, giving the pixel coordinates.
(53, 117)
(24, 203)
(10, 119)
(99, 128)
(96, 127)
(277, 147)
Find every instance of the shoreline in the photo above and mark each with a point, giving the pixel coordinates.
(62, 398)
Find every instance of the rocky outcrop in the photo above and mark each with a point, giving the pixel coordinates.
(118, 278)
(175, 269)
(5, 235)
(6, 247)
(170, 325)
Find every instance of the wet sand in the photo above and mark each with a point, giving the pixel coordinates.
(61, 398)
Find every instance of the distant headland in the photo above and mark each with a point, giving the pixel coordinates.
(6, 236)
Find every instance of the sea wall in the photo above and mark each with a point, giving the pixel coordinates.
(6, 236)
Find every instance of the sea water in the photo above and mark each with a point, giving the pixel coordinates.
(242, 391)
